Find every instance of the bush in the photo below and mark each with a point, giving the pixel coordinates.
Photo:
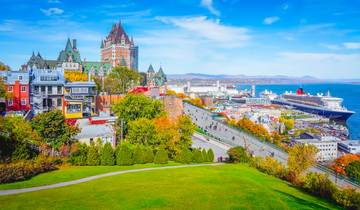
(79, 156)
(348, 198)
(138, 156)
(238, 155)
(124, 155)
(271, 166)
(204, 155)
(148, 155)
(210, 155)
(319, 184)
(93, 156)
(184, 156)
(161, 157)
(197, 156)
(24, 169)
(107, 155)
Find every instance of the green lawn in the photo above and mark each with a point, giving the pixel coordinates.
(206, 187)
(71, 173)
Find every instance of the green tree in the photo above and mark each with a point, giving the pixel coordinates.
(353, 170)
(138, 155)
(120, 80)
(197, 156)
(210, 155)
(319, 184)
(107, 155)
(184, 156)
(204, 155)
(79, 156)
(148, 155)
(161, 156)
(142, 131)
(52, 127)
(124, 155)
(186, 129)
(2, 89)
(93, 156)
(301, 157)
(238, 155)
(135, 106)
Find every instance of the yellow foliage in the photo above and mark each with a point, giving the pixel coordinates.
(76, 76)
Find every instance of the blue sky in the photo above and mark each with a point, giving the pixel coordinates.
(320, 38)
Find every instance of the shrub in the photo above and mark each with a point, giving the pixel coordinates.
(197, 156)
(148, 155)
(161, 156)
(272, 167)
(93, 156)
(138, 156)
(79, 156)
(238, 155)
(319, 184)
(348, 198)
(210, 155)
(184, 156)
(24, 169)
(204, 155)
(107, 155)
(124, 155)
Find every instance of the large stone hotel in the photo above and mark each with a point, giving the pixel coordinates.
(118, 49)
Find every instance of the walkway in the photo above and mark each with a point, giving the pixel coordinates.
(90, 178)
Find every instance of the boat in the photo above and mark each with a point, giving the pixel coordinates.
(320, 104)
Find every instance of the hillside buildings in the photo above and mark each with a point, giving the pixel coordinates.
(118, 49)
(155, 78)
(326, 145)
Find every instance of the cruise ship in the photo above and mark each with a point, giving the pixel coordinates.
(324, 105)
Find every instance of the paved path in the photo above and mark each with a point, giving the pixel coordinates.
(90, 178)
(200, 141)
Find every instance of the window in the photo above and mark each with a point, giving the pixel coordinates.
(73, 108)
(10, 88)
(42, 88)
(59, 89)
(79, 90)
(23, 101)
(20, 78)
(59, 102)
(50, 89)
(23, 89)
(10, 102)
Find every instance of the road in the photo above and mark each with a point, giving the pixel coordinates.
(219, 149)
(223, 133)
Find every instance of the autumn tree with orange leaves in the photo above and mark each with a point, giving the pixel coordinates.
(340, 163)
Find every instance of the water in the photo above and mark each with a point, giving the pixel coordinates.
(349, 92)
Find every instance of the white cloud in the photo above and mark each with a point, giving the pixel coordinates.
(318, 56)
(54, 1)
(331, 46)
(52, 11)
(271, 20)
(211, 30)
(352, 45)
(209, 5)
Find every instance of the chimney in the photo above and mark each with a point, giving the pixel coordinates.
(74, 44)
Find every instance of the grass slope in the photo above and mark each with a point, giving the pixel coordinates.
(206, 187)
(72, 173)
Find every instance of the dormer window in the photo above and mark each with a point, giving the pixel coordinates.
(20, 78)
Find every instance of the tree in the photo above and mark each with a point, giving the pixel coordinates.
(148, 155)
(124, 155)
(79, 156)
(93, 156)
(107, 155)
(210, 155)
(186, 129)
(204, 155)
(342, 162)
(161, 156)
(319, 184)
(52, 127)
(168, 134)
(138, 156)
(184, 156)
(197, 156)
(2, 89)
(142, 131)
(135, 106)
(301, 157)
(353, 170)
(238, 155)
(120, 80)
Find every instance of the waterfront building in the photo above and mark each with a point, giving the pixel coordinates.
(46, 89)
(327, 147)
(350, 146)
(118, 49)
(17, 90)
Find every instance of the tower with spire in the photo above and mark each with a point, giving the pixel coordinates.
(117, 47)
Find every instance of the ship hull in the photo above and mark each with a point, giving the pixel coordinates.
(336, 115)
